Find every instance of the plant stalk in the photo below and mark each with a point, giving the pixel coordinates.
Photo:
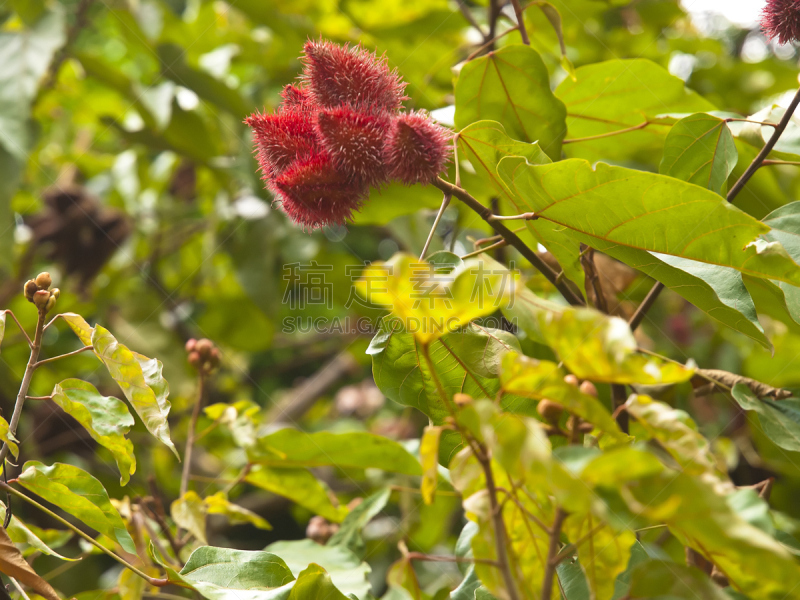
(187, 453)
(552, 553)
(151, 580)
(508, 235)
(26, 382)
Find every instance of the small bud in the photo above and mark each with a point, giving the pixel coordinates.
(51, 302)
(550, 411)
(462, 400)
(194, 359)
(588, 388)
(55, 292)
(320, 529)
(41, 298)
(43, 280)
(571, 379)
(203, 346)
(190, 345)
(30, 289)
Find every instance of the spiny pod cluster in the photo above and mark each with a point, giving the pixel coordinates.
(203, 355)
(339, 131)
(781, 19)
(39, 293)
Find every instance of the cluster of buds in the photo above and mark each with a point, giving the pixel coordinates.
(339, 131)
(551, 411)
(203, 355)
(320, 529)
(39, 293)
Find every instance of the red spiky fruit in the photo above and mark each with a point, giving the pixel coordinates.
(281, 139)
(337, 75)
(296, 98)
(781, 19)
(313, 193)
(354, 141)
(417, 149)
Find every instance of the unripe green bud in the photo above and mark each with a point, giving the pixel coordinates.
(43, 280)
(55, 292)
(41, 298)
(51, 302)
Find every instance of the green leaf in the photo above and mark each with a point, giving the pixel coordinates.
(700, 149)
(189, 512)
(677, 433)
(672, 581)
(105, 418)
(226, 574)
(430, 302)
(779, 420)
(80, 327)
(7, 437)
(718, 291)
(315, 583)
(347, 572)
(31, 536)
(349, 534)
(465, 361)
(218, 504)
(78, 493)
(298, 485)
(610, 96)
(541, 379)
(25, 55)
(429, 457)
(357, 449)
(135, 375)
(602, 552)
(650, 212)
(602, 348)
(485, 143)
(512, 86)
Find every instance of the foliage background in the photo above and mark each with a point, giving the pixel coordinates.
(140, 104)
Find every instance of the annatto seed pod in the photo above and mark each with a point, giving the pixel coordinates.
(588, 388)
(417, 149)
(41, 298)
(30, 289)
(43, 280)
(190, 345)
(550, 411)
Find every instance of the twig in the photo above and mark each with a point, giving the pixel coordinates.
(521, 22)
(26, 382)
(637, 317)
(187, 453)
(19, 588)
(776, 134)
(512, 239)
(620, 397)
(489, 44)
(442, 208)
(454, 559)
(569, 549)
(528, 216)
(21, 328)
(608, 134)
(766, 163)
(765, 123)
(500, 534)
(470, 18)
(151, 580)
(727, 380)
(552, 553)
(47, 360)
(499, 244)
(161, 518)
(590, 269)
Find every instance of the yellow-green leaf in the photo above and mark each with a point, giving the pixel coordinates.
(105, 418)
(429, 456)
(218, 504)
(189, 512)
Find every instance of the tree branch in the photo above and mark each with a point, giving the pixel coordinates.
(552, 553)
(513, 240)
(60, 356)
(21, 328)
